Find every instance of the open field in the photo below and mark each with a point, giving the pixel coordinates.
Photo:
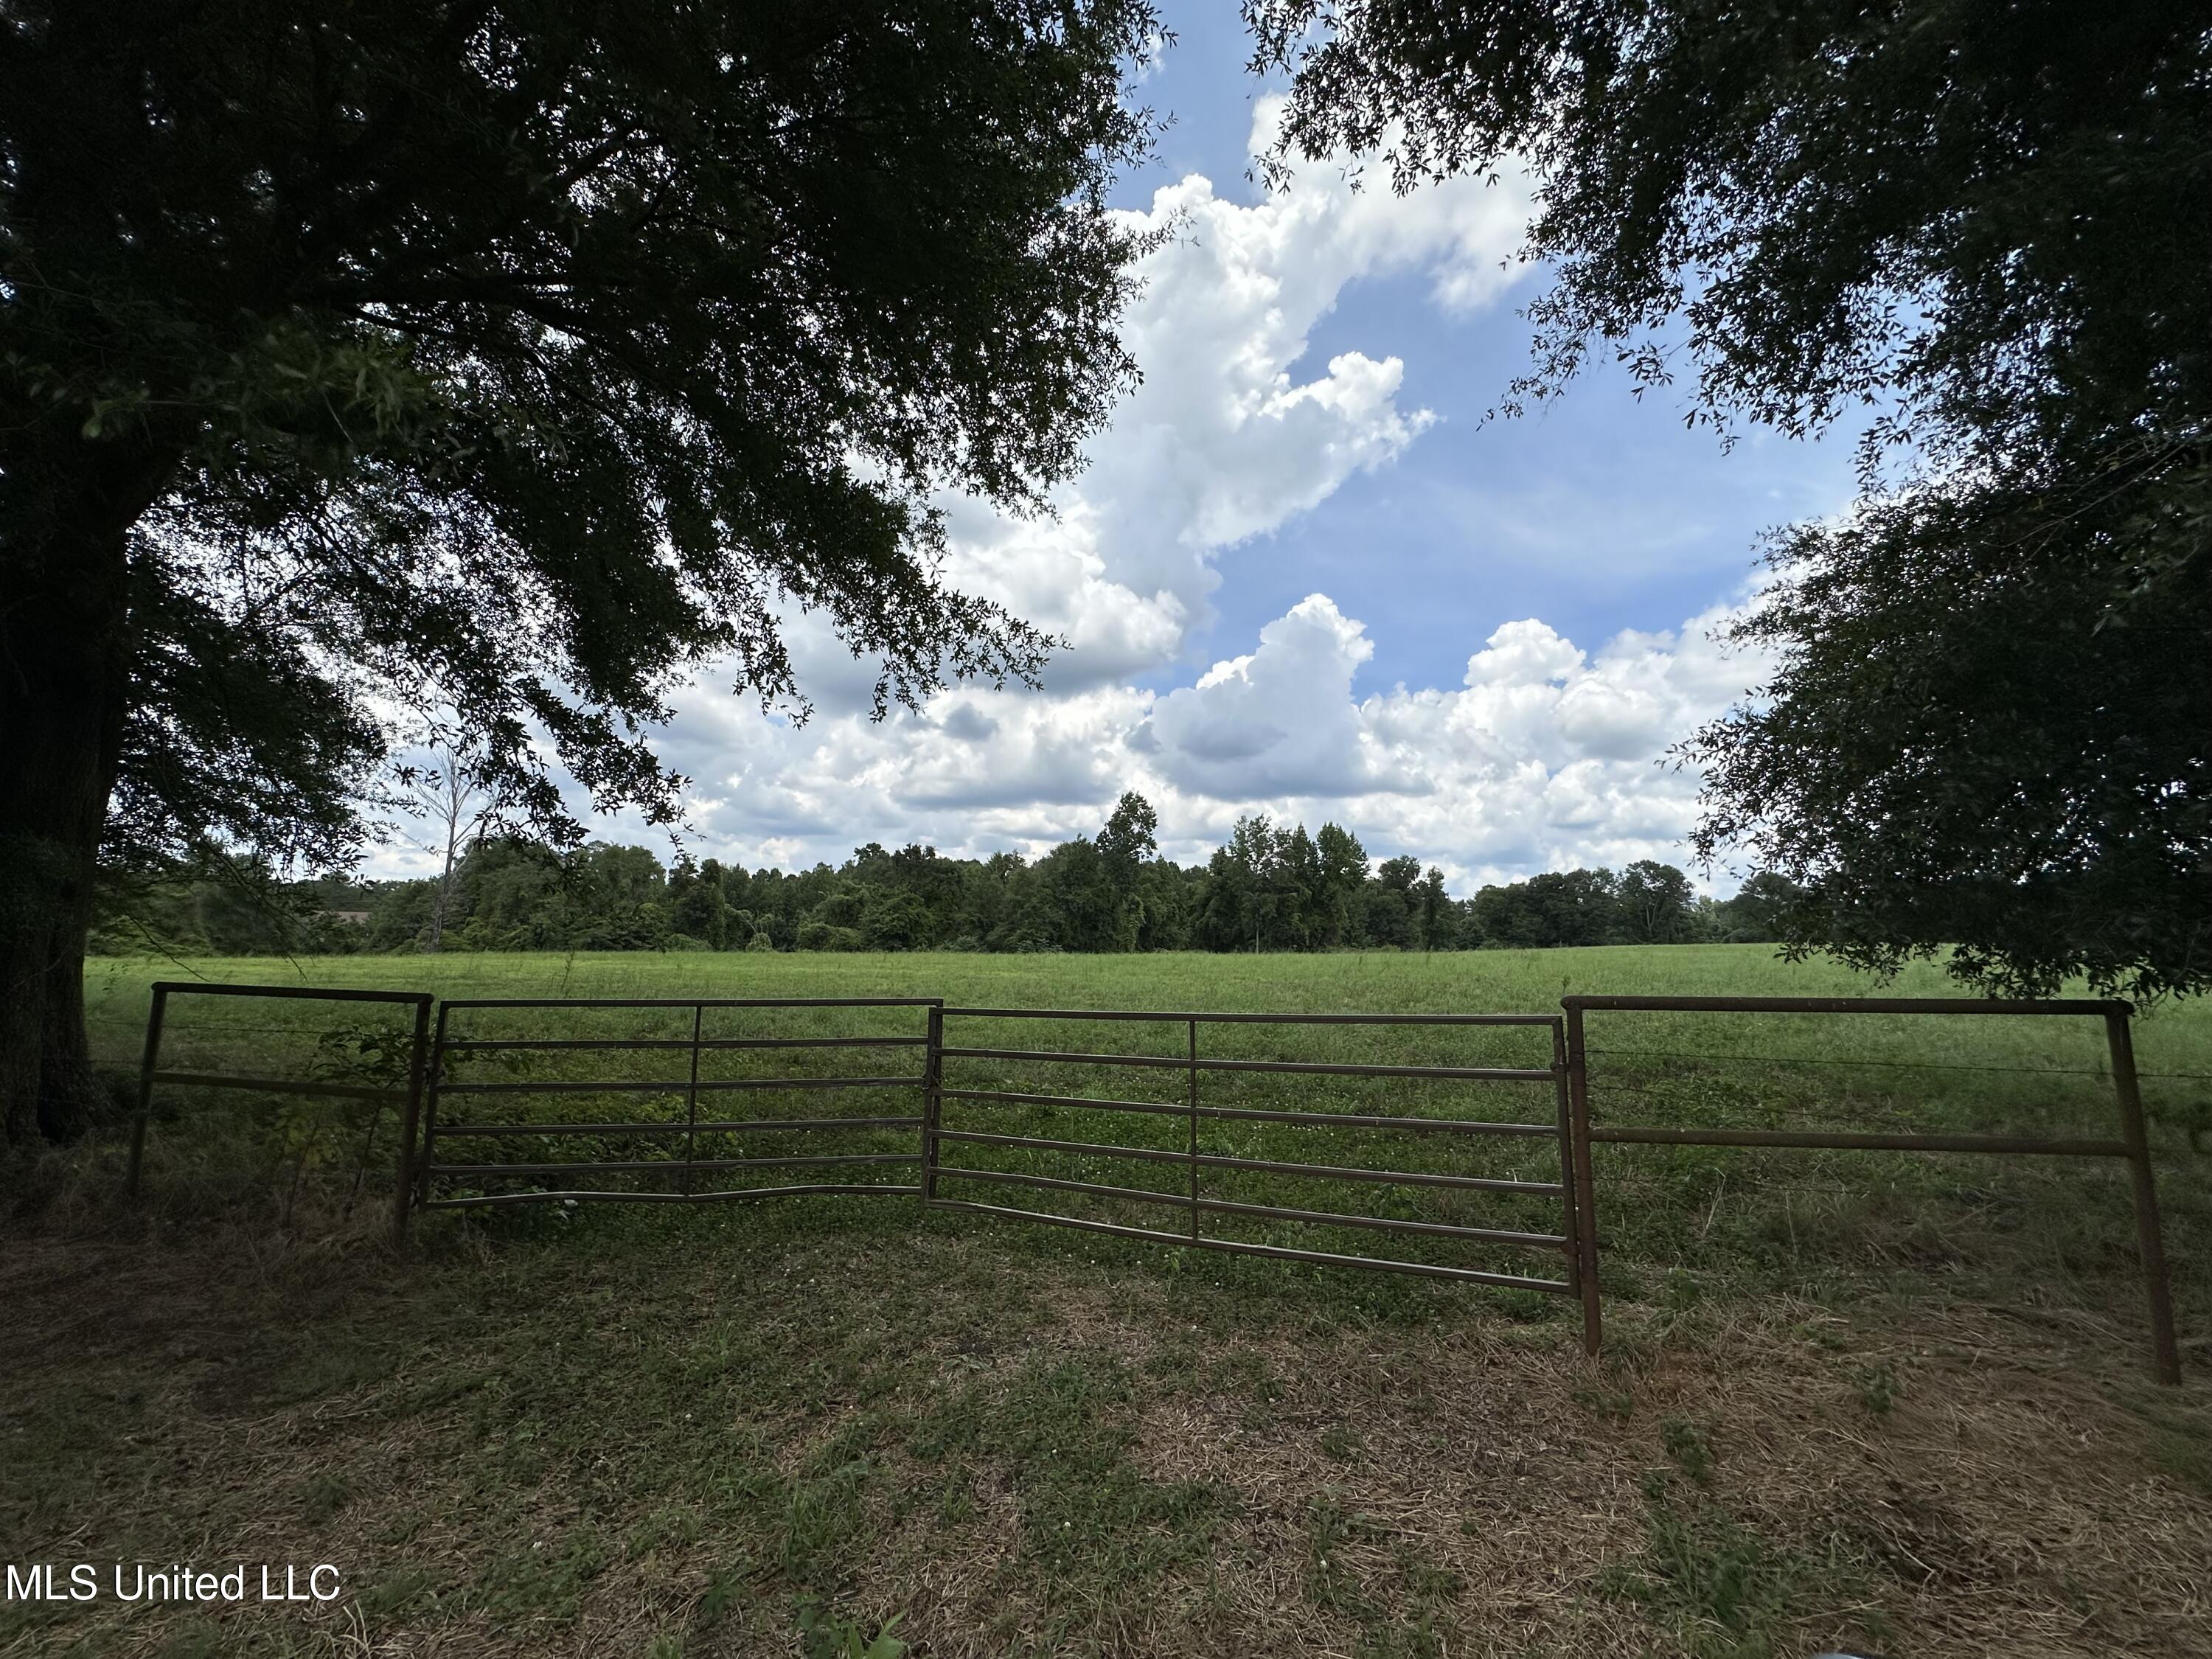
(1767, 1219)
(1895, 1399)
(1507, 980)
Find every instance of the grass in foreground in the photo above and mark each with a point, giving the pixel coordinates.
(1894, 1402)
(698, 1438)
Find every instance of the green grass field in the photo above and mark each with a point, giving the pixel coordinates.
(1770, 1218)
(1896, 1400)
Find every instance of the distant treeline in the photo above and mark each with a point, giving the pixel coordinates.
(1272, 888)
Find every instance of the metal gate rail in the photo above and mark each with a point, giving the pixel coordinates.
(426, 1169)
(1572, 1127)
(408, 1098)
(1195, 1202)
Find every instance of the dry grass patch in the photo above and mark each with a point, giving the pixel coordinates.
(688, 1443)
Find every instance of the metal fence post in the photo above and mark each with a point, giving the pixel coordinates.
(1578, 1280)
(151, 1073)
(2164, 1346)
(1583, 1200)
(437, 1076)
(932, 1084)
(153, 1017)
(1193, 1102)
(691, 1101)
(411, 1122)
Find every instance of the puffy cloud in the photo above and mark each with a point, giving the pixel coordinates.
(1278, 722)
(1224, 440)
(1545, 756)
(1522, 653)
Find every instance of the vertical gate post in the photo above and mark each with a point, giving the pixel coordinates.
(1192, 1102)
(2165, 1350)
(1582, 1210)
(154, 1017)
(437, 1075)
(932, 1086)
(1584, 1283)
(411, 1122)
(691, 1100)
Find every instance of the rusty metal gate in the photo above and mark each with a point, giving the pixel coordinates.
(672, 1138)
(1194, 1166)
(494, 1140)
(488, 1141)
(406, 1098)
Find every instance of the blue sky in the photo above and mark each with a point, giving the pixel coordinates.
(1598, 512)
(1301, 574)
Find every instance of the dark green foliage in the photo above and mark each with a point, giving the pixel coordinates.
(505, 364)
(1987, 226)
(1569, 907)
(1278, 889)
(522, 354)
(1755, 914)
(1655, 902)
(238, 906)
(1992, 214)
(1124, 844)
(1389, 909)
(1269, 890)
(1969, 745)
(697, 907)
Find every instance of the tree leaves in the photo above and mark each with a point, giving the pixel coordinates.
(1987, 226)
(521, 361)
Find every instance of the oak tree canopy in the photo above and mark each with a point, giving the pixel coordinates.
(1980, 230)
(512, 360)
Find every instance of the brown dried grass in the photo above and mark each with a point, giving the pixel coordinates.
(2012, 1500)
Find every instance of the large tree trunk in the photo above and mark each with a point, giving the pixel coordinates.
(65, 690)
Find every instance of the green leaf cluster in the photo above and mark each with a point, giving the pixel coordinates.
(1980, 232)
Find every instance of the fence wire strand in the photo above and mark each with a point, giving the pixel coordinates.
(1826, 1060)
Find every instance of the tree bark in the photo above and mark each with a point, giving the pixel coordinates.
(64, 692)
(445, 894)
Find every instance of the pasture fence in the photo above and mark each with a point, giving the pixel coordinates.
(2131, 1144)
(1197, 1165)
(694, 1048)
(408, 1097)
(643, 1139)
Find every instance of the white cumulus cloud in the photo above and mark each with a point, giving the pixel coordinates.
(1544, 757)
(1231, 434)
(1545, 754)
(1278, 722)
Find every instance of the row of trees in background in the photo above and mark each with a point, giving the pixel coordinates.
(1272, 887)
(348, 370)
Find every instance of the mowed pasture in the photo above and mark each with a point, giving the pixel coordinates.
(1900, 1399)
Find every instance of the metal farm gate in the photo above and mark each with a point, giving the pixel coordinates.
(406, 1098)
(492, 1139)
(517, 1105)
(670, 1138)
(2130, 1145)
(1194, 1166)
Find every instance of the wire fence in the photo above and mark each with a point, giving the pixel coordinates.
(1400, 1143)
(2124, 1137)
